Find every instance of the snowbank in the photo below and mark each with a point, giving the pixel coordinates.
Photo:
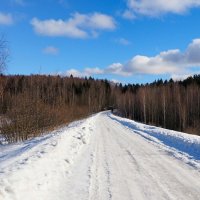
(183, 142)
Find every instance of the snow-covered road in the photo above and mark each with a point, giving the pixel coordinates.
(102, 157)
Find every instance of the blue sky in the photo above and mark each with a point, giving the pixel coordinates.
(124, 40)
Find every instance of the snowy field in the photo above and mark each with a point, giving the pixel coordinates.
(100, 158)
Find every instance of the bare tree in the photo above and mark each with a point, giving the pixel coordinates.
(3, 53)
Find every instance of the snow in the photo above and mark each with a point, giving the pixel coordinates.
(102, 157)
(174, 142)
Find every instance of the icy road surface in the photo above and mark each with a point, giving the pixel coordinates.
(102, 158)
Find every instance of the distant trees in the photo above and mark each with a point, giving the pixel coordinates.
(35, 104)
(173, 105)
(31, 105)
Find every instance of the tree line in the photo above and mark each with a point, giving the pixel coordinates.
(169, 104)
(31, 105)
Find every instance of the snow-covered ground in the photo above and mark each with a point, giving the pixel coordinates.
(102, 157)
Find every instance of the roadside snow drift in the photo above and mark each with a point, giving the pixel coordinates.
(102, 157)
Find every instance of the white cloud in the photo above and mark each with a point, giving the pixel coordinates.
(57, 28)
(6, 19)
(74, 72)
(91, 71)
(99, 21)
(78, 26)
(116, 68)
(115, 81)
(193, 52)
(159, 7)
(167, 62)
(86, 72)
(51, 50)
(172, 62)
(123, 41)
(179, 65)
(179, 77)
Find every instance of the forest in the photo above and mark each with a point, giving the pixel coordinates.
(169, 104)
(32, 105)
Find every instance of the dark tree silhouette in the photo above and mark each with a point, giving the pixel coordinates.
(31, 105)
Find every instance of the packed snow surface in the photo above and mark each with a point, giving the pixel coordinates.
(103, 157)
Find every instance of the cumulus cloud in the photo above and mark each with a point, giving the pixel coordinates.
(73, 72)
(183, 76)
(193, 52)
(180, 77)
(115, 81)
(77, 26)
(160, 7)
(171, 62)
(6, 19)
(91, 71)
(116, 68)
(51, 50)
(167, 62)
(86, 72)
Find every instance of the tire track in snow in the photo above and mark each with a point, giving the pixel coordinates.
(94, 183)
(154, 168)
(99, 159)
(100, 172)
(114, 160)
